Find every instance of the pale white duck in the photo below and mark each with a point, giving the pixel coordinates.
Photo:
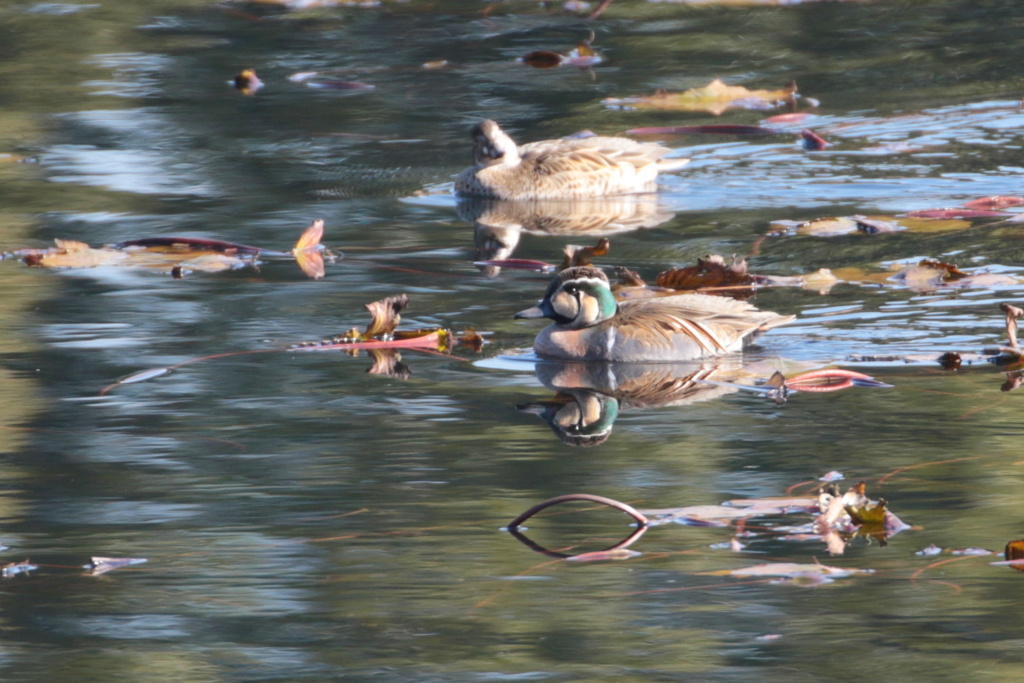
(566, 168)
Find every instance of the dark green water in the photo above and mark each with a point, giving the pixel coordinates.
(304, 520)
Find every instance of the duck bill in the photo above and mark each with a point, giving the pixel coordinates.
(531, 313)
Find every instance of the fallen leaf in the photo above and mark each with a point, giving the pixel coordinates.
(715, 98)
(1014, 552)
(582, 56)
(956, 212)
(582, 256)
(15, 568)
(247, 82)
(713, 129)
(102, 565)
(995, 202)
(542, 59)
(710, 271)
(790, 570)
(812, 142)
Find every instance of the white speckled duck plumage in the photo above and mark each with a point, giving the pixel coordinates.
(566, 168)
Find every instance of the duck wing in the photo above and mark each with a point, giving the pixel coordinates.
(715, 324)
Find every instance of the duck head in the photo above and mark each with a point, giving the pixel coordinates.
(491, 145)
(576, 298)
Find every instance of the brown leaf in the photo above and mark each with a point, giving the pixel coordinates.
(710, 271)
(629, 278)
(1015, 551)
(1012, 313)
(582, 256)
(385, 316)
(995, 202)
(542, 59)
(247, 82)
(951, 360)
(712, 129)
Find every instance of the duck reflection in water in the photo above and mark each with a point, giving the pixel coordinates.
(498, 224)
(590, 395)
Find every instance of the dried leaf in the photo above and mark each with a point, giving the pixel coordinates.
(812, 142)
(542, 59)
(247, 82)
(927, 274)
(1014, 552)
(710, 271)
(102, 565)
(995, 202)
(867, 514)
(1012, 314)
(713, 129)
(15, 568)
(144, 375)
(790, 570)
(951, 360)
(956, 212)
(628, 278)
(582, 256)
(715, 98)
(385, 316)
(931, 551)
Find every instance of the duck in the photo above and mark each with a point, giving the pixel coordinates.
(590, 324)
(573, 167)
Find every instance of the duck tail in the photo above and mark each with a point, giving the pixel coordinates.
(671, 165)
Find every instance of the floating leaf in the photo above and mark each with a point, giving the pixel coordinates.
(995, 202)
(714, 129)
(930, 551)
(144, 375)
(582, 256)
(102, 565)
(384, 316)
(605, 555)
(791, 118)
(715, 98)
(956, 212)
(974, 552)
(792, 570)
(951, 360)
(519, 263)
(177, 255)
(868, 514)
(247, 82)
(1012, 314)
(710, 271)
(542, 59)
(582, 56)
(628, 278)
(812, 142)
(1014, 552)
(15, 568)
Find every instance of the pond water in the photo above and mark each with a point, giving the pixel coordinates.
(305, 519)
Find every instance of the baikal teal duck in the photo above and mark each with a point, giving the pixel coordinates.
(591, 325)
(574, 167)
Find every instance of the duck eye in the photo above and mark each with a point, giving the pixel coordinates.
(571, 289)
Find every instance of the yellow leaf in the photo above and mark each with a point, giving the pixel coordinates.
(715, 97)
